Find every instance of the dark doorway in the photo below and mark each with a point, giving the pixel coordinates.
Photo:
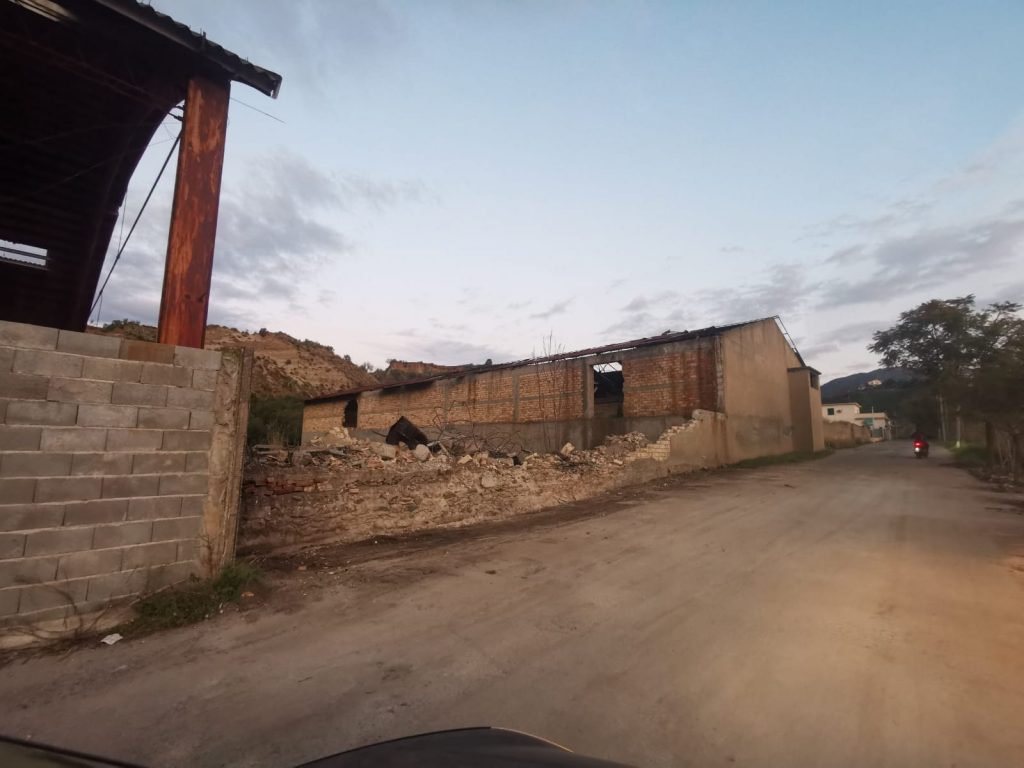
(608, 389)
(351, 413)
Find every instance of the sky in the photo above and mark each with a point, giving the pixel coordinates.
(456, 181)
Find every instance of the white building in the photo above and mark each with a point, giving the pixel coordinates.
(878, 423)
(840, 411)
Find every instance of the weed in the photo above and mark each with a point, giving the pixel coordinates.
(968, 455)
(191, 602)
(794, 457)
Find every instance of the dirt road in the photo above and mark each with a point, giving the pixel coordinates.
(865, 609)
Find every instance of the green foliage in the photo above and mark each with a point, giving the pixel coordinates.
(275, 420)
(782, 458)
(969, 455)
(194, 601)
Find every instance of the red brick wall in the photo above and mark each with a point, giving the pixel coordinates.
(674, 379)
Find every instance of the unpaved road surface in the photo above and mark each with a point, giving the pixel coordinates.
(865, 609)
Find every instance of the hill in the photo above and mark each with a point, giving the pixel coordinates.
(845, 385)
(283, 366)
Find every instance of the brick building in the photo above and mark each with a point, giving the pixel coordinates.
(765, 398)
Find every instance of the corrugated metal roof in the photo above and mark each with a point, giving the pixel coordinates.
(650, 341)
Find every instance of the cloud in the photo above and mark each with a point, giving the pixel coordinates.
(930, 258)
(640, 303)
(558, 308)
(896, 213)
(449, 351)
(815, 350)
(784, 290)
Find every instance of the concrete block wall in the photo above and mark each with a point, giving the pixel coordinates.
(105, 467)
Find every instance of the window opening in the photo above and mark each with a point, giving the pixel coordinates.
(351, 413)
(608, 389)
(831, 411)
(21, 254)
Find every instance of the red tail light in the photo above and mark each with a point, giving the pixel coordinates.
(918, 444)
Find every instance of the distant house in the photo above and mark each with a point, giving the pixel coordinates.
(878, 423)
(840, 411)
(874, 383)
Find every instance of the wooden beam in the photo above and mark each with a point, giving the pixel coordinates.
(186, 296)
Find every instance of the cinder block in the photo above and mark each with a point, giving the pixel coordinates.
(186, 441)
(134, 439)
(12, 545)
(189, 398)
(203, 379)
(176, 528)
(131, 485)
(201, 420)
(79, 391)
(25, 517)
(47, 363)
(58, 541)
(102, 464)
(35, 464)
(57, 594)
(38, 412)
(188, 549)
(90, 344)
(197, 461)
(111, 370)
(6, 359)
(192, 505)
(167, 575)
(17, 490)
(79, 564)
(27, 336)
(72, 439)
(208, 359)
(23, 386)
(172, 375)
(107, 415)
(130, 393)
(95, 512)
(146, 351)
(146, 555)
(67, 488)
(27, 570)
(158, 462)
(122, 534)
(120, 584)
(149, 508)
(163, 418)
(9, 601)
(19, 438)
(3, 409)
(181, 485)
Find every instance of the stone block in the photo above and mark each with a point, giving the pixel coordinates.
(78, 564)
(23, 386)
(207, 359)
(25, 517)
(172, 375)
(12, 545)
(27, 570)
(176, 528)
(41, 413)
(197, 440)
(201, 420)
(158, 462)
(17, 490)
(9, 599)
(131, 485)
(108, 415)
(56, 594)
(163, 418)
(122, 534)
(35, 464)
(27, 336)
(185, 484)
(178, 397)
(72, 439)
(167, 575)
(120, 584)
(146, 351)
(89, 344)
(79, 391)
(134, 439)
(58, 541)
(130, 393)
(102, 464)
(19, 438)
(45, 363)
(149, 508)
(6, 359)
(197, 461)
(192, 505)
(146, 555)
(111, 370)
(95, 512)
(68, 488)
(188, 549)
(203, 379)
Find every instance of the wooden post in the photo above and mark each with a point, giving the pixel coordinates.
(186, 295)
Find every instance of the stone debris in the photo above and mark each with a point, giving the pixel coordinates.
(567, 449)
(421, 452)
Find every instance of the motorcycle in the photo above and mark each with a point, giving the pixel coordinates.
(920, 449)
